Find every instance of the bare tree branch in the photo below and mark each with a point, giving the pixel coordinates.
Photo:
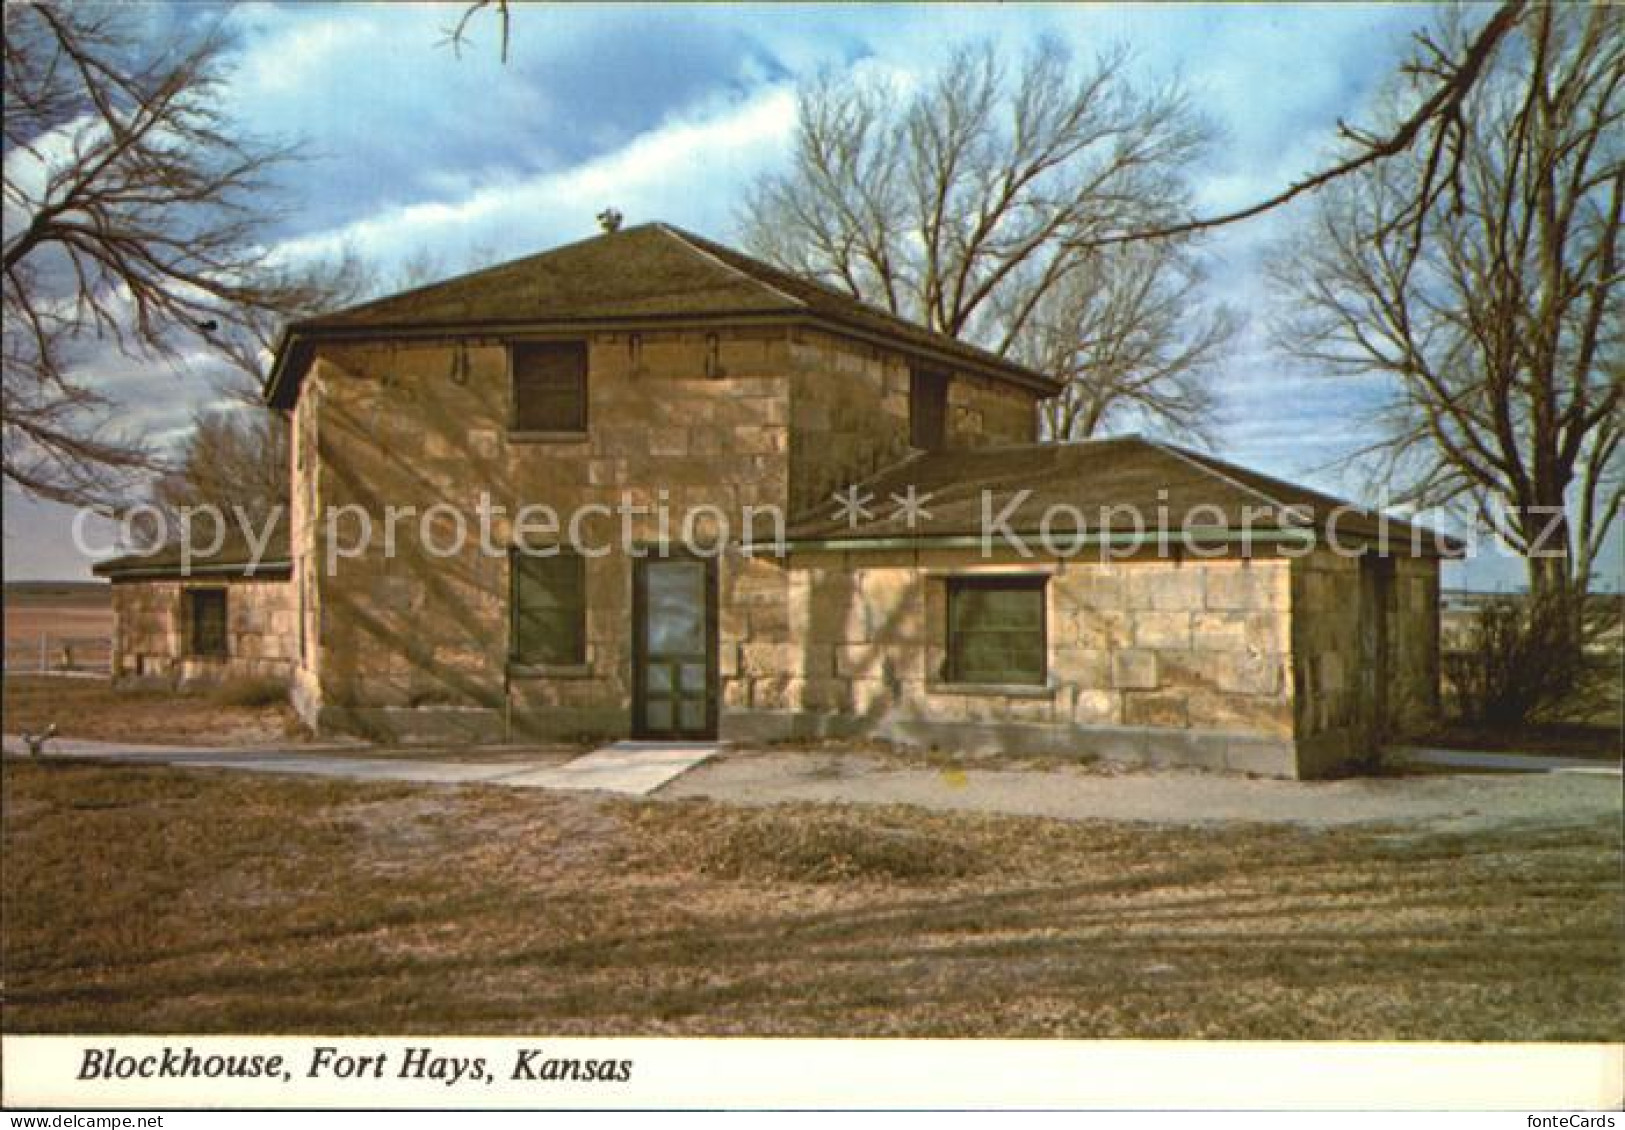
(967, 206)
(456, 36)
(133, 218)
(1438, 116)
(1495, 313)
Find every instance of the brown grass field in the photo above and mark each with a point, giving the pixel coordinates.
(94, 709)
(78, 613)
(157, 900)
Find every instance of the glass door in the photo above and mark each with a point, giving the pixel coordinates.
(674, 653)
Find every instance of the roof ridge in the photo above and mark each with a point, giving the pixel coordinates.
(464, 276)
(1191, 459)
(878, 472)
(1209, 460)
(800, 278)
(690, 276)
(689, 241)
(724, 253)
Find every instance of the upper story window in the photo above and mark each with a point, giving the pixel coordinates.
(549, 386)
(996, 632)
(206, 622)
(927, 409)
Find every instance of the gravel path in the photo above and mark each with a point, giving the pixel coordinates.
(1454, 802)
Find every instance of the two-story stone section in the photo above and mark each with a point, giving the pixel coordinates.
(593, 492)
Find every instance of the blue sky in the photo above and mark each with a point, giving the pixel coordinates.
(668, 112)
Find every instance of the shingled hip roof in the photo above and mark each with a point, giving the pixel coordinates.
(1100, 489)
(650, 274)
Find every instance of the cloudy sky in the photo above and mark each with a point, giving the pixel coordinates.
(668, 112)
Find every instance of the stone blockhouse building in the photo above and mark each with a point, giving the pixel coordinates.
(700, 497)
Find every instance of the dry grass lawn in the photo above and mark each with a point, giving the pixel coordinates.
(95, 710)
(156, 900)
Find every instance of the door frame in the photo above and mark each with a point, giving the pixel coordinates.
(1376, 593)
(640, 727)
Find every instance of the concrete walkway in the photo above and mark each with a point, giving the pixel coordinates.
(1456, 802)
(1441, 802)
(633, 768)
(630, 768)
(1504, 762)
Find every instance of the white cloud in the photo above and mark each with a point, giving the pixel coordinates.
(681, 171)
(299, 53)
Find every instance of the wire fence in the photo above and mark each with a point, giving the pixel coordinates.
(50, 653)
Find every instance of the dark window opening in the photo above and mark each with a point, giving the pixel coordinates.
(996, 630)
(549, 386)
(927, 409)
(549, 609)
(206, 615)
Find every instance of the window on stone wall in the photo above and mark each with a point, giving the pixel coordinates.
(206, 622)
(549, 386)
(996, 630)
(549, 609)
(927, 409)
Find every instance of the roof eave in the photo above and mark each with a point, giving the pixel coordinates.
(115, 571)
(1434, 546)
(292, 357)
(298, 340)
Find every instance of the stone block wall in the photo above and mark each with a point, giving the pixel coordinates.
(1148, 660)
(1236, 664)
(983, 411)
(1327, 652)
(153, 639)
(849, 412)
(1413, 647)
(738, 420)
(1365, 646)
(305, 477)
(411, 643)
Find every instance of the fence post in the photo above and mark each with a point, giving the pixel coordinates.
(44, 646)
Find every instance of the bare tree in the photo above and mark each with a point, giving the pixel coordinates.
(237, 454)
(965, 205)
(1436, 127)
(1496, 314)
(1435, 124)
(1128, 333)
(306, 288)
(133, 217)
(232, 458)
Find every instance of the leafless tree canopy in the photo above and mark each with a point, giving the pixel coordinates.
(231, 459)
(1128, 333)
(133, 218)
(966, 205)
(1495, 311)
(1443, 75)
